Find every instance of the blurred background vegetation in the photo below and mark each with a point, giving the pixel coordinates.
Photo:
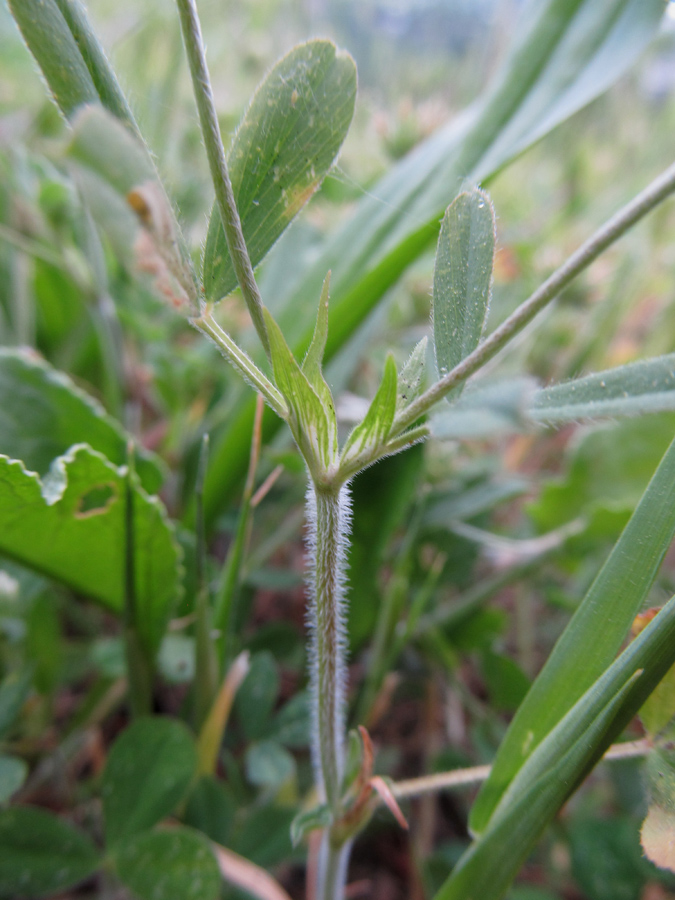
(430, 526)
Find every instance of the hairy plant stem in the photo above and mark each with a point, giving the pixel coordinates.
(654, 194)
(227, 207)
(328, 518)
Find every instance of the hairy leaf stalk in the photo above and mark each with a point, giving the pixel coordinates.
(328, 516)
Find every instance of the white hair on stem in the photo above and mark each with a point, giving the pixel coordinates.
(328, 527)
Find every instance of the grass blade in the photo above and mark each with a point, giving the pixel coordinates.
(562, 761)
(592, 638)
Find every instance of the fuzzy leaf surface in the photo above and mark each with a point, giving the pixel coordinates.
(462, 277)
(165, 865)
(376, 425)
(71, 526)
(287, 141)
(647, 386)
(314, 427)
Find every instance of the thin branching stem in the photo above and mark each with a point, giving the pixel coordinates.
(443, 781)
(654, 194)
(240, 361)
(201, 82)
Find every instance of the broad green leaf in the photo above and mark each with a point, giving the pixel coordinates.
(313, 425)
(71, 526)
(607, 860)
(40, 855)
(592, 638)
(462, 278)
(13, 772)
(647, 386)
(304, 822)
(376, 425)
(411, 376)
(561, 761)
(147, 774)
(566, 53)
(287, 141)
(43, 413)
(255, 699)
(52, 44)
(292, 724)
(211, 808)
(14, 690)
(268, 764)
(73, 62)
(166, 865)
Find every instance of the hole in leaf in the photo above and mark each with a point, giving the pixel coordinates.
(96, 500)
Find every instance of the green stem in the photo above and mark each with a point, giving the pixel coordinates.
(389, 610)
(205, 661)
(659, 190)
(328, 517)
(226, 601)
(194, 47)
(241, 362)
(139, 666)
(332, 869)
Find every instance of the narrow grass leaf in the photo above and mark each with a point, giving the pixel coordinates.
(51, 42)
(592, 638)
(641, 387)
(107, 87)
(148, 772)
(164, 865)
(462, 278)
(72, 60)
(40, 855)
(561, 762)
(287, 141)
(70, 525)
